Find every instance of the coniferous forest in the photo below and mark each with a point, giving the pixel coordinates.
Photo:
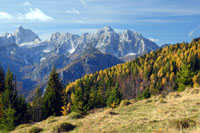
(172, 68)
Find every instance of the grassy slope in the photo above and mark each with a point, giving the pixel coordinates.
(157, 114)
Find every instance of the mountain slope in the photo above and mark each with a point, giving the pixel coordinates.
(90, 61)
(174, 113)
(171, 68)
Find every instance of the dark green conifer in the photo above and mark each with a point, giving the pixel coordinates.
(2, 78)
(14, 107)
(184, 76)
(8, 121)
(114, 97)
(77, 101)
(52, 99)
(36, 106)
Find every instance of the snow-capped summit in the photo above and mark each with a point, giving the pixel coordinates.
(106, 40)
(63, 42)
(20, 36)
(25, 35)
(106, 29)
(128, 34)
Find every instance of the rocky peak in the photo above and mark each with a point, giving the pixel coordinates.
(106, 29)
(129, 35)
(23, 35)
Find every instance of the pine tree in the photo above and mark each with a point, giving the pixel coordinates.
(184, 77)
(9, 80)
(8, 120)
(22, 110)
(114, 97)
(9, 104)
(92, 98)
(2, 77)
(9, 95)
(10, 101)
(36, 106)
(99, 102)
(77, 101)
(52, 99)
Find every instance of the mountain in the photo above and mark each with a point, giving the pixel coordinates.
(31, 59)
(91, 60)
(20, 36)
(119, 44)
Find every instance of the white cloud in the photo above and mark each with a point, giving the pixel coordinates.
(153, 40)
(73, 11)
(35, 15)
(4, 15)
(83, 3)
(193, 31)
(26, 3)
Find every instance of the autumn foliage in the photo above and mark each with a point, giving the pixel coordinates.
(158, 72)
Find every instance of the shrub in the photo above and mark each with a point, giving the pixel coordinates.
(145, 94)
(64, 127)
(183, 123)
(75, 115)
(35, 130)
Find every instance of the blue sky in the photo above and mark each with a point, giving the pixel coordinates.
(164, 21)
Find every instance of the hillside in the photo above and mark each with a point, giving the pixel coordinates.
(168, 69)
(91, 60)
(175, 112)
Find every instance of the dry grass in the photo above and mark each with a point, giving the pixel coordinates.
(159, 114)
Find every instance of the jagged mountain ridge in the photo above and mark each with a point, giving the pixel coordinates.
(106, 40)
(32, 59)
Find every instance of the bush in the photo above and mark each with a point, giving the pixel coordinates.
(75, 115)
(35, 130)
(124, 103)
(64, 127)
(145, 94)
(183, 123)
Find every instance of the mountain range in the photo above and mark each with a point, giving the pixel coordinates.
(32, 59)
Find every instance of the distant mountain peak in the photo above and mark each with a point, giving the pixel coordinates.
(23, 35)
(106, 29)
(20, 29)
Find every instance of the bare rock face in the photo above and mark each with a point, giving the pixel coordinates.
(25, 35)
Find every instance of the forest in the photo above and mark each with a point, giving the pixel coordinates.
(172, 68)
